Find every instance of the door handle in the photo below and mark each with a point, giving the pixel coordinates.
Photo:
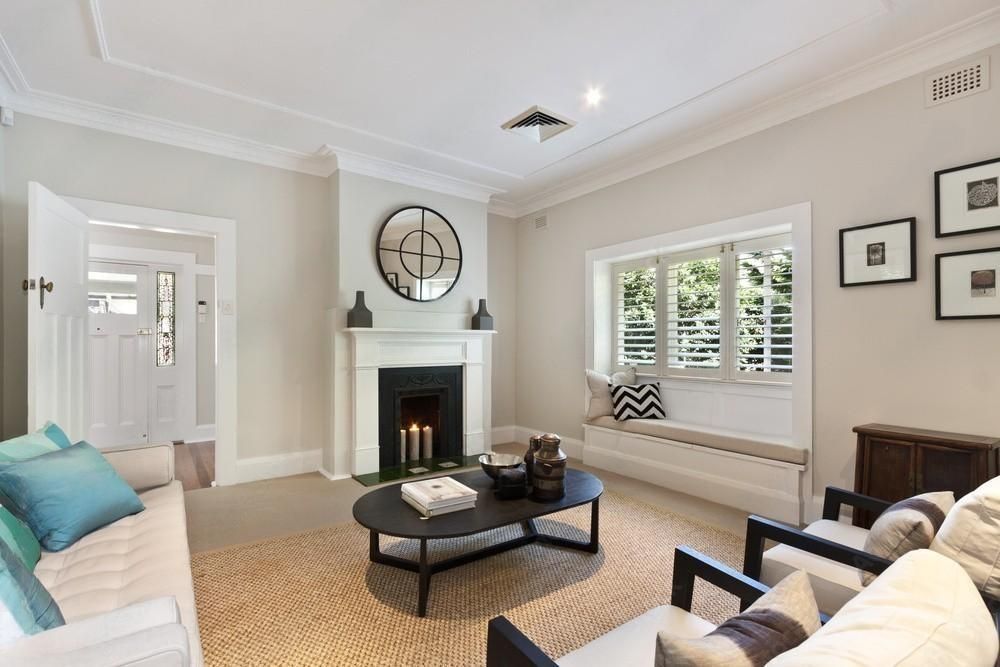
(44, 287)
(144, 332)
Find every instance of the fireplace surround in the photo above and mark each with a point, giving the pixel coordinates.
(377, 348)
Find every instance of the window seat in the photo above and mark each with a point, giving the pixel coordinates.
(758, 474)
(763, 446)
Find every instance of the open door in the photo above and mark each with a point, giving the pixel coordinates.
(58, 250)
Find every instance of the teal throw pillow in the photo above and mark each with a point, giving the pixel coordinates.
(26, 607)
(66, 494)
(49, 438)
(16, 535)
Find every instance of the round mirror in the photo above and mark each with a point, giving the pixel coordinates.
(419, 254)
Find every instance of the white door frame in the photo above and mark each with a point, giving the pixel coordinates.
(223, 230)
(186, 321)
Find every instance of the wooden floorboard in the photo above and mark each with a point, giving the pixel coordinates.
(194, 465)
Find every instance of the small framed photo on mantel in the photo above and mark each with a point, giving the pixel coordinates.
(879, 253)
(967, 284)
(967, 199)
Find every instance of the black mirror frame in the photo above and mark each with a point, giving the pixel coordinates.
(378, 253)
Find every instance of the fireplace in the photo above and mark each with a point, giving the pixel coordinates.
(426, 397)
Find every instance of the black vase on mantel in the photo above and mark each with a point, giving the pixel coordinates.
(482, 320)
(359, 316)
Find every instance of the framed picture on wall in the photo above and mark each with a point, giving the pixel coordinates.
(966, 198)
(393, 279)
(967, 284)
(879, 253)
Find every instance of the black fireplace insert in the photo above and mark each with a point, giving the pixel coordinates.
(419, 398)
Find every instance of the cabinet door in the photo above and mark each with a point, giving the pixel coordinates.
(946, 469)
(888, 473)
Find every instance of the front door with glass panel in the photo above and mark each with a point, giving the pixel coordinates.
(120, 327)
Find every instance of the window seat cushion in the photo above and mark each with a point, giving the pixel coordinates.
(752, 444)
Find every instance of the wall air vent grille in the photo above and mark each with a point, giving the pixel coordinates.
(541, 222)
(538, 124)
(955, 82)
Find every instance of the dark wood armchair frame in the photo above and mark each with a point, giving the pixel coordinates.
(760, 529)
(506, 646)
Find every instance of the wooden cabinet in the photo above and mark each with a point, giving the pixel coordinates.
(895, 462)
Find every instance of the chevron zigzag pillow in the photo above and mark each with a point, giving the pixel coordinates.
(637, 401)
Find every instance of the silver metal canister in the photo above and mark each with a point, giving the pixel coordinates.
(549, 469)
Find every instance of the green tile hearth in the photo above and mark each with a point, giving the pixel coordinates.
(417, 469)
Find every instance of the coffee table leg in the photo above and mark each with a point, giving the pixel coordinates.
(595, 512)
(425, 580)
(373, 550)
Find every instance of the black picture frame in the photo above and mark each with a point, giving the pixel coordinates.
(937, 200)
(937, 285)
(913, 252)
(404, 290)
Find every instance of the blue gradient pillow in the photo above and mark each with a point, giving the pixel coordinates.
(16, 535)
(49, 438)
(66, 494)
(26, 607)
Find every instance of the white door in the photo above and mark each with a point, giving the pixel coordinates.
(58, 249)
(119, 300)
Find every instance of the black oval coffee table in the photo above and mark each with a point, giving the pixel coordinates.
(383, 512)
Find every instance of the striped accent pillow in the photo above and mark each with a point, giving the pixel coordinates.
(778, 621)
(907, 525)
(640, 401)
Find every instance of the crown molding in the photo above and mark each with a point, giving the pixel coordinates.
(931, 51)
(396, 172)
(503, 208)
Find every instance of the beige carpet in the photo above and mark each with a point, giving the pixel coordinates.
(315, 599)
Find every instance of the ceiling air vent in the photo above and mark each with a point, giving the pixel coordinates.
(541, 222)
(538, 124)
(959, 81)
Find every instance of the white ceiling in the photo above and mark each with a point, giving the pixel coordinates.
(417, 91)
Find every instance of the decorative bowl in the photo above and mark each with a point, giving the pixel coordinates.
(493, 463)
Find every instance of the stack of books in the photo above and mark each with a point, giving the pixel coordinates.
(442, 495)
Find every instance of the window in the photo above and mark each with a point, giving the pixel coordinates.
(165, 306)
(635, 315)
(725, 312)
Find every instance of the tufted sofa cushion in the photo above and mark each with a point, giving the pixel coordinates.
(136, 558)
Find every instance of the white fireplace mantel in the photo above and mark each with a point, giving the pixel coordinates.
(373, 349)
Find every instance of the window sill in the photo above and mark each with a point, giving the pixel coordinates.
(711, 380)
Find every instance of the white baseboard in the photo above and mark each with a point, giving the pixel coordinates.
(502, 434)
(202, 433)
(333, 478)
(572, 446)
(278, 465)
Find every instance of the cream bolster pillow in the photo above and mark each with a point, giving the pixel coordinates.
(922, 611)
(779, 620)
(907, 525)
(970, 535)
(600, 390)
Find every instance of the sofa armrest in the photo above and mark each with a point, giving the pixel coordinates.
(506, 646)
(148, 633)
(836, 497)
(143, 466)
(690, 564)
(760, 529)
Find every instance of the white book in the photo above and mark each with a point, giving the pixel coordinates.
(468, 505)
(443, 503)
(432, 493)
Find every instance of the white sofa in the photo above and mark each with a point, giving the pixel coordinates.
(125, 590)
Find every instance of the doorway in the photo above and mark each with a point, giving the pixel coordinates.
(152, 344)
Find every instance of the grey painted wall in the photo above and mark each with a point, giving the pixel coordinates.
(879, 353)
(282, 223)
(502, 305)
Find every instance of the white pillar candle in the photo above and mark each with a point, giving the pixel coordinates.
(402, 445)
(426, 442)
(413, 442)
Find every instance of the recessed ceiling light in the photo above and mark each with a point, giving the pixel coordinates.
(594, 97)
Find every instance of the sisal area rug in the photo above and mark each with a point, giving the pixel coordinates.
(315, 599)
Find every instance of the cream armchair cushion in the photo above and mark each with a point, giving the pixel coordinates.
(970, 535)
(923, 610)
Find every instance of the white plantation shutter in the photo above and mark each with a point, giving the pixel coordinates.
(634, 316)
(693, 312)
(763, 308)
